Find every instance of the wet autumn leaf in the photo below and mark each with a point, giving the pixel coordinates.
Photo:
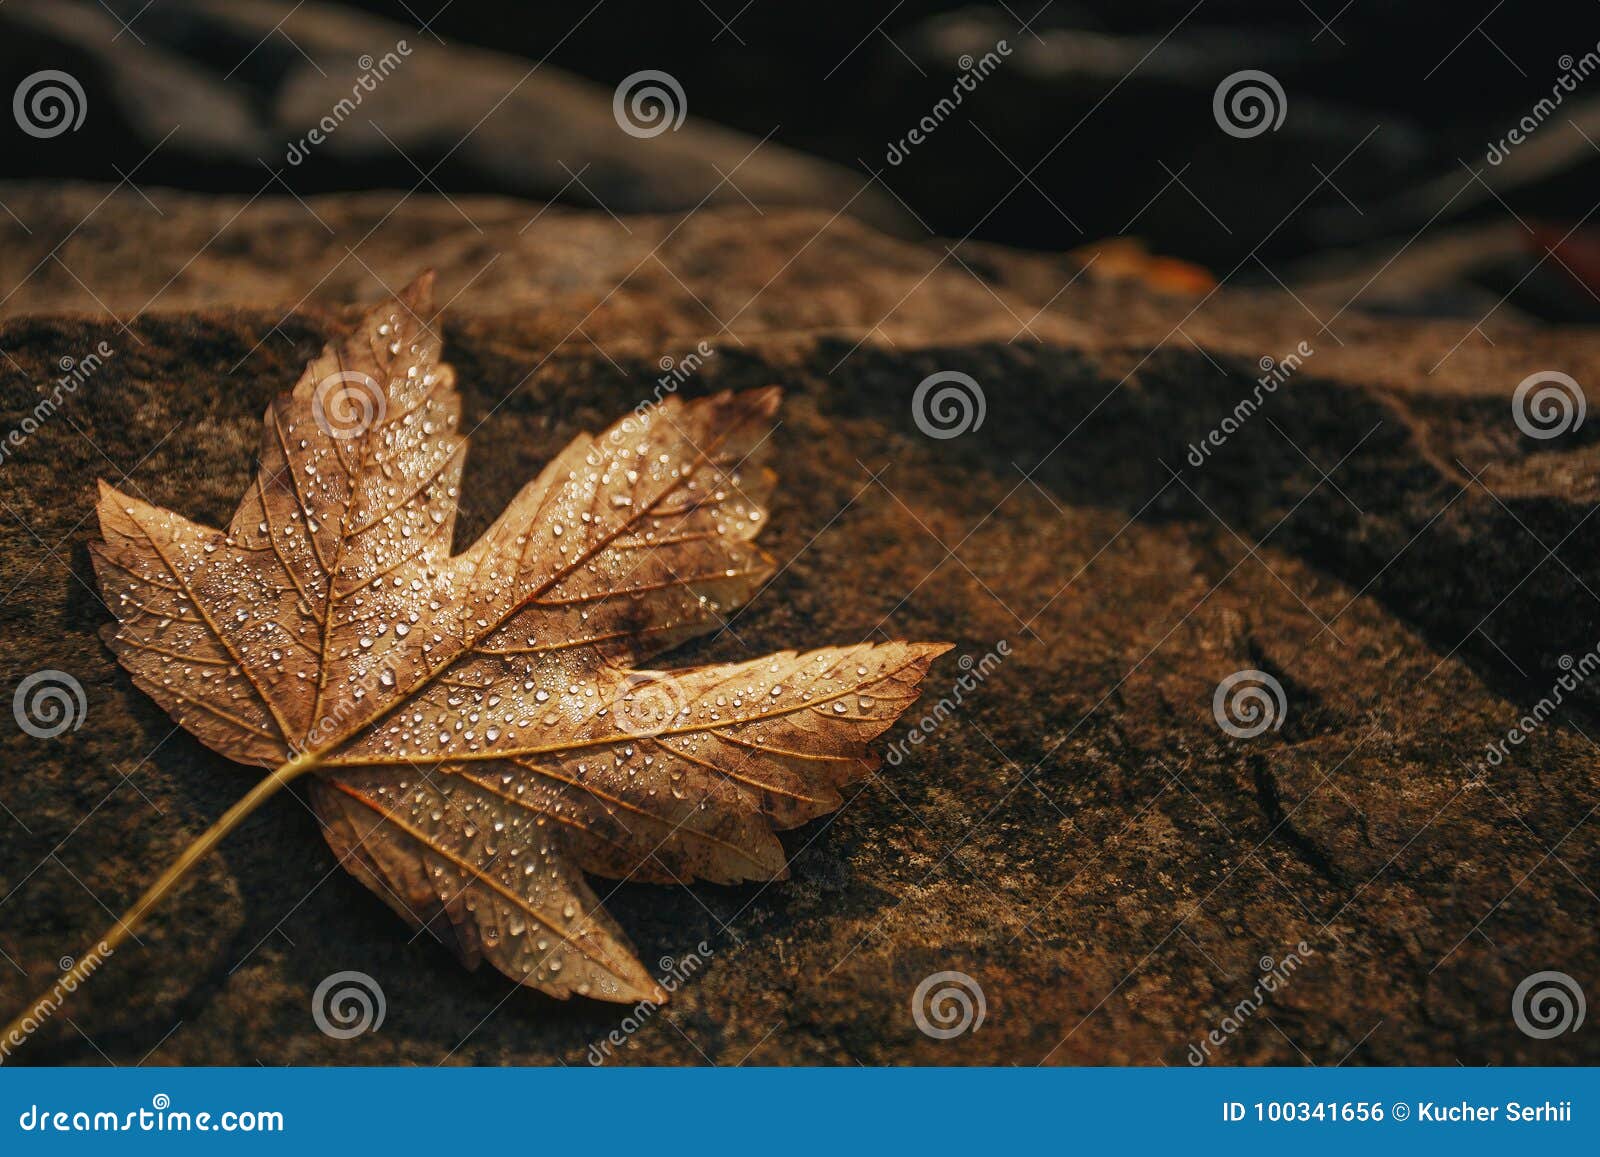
(479, 728)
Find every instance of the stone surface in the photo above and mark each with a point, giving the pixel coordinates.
(274, 96)
(1079, 836)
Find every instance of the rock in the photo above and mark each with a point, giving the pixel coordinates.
(1061, 132)
(1446, 273)
(277, 96)
(1080, 836)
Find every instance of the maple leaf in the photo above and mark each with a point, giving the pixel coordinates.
(477, 727)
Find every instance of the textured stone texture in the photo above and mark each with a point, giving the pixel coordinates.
(274, 96)
(1080, 837)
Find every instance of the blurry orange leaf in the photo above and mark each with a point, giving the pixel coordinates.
(1128, 259)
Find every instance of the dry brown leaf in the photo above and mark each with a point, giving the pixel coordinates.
(477, 726)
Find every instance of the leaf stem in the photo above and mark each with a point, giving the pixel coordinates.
(40, 1010)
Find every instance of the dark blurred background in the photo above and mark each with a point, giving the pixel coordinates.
(1098, 124)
